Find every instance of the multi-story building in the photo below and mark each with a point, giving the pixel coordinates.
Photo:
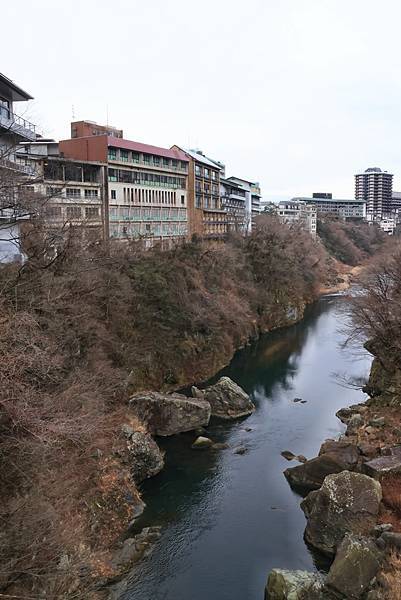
(13, 129)
(146, 185)
(206, 215)
(233, 202)
(342, 207)
(298, 211)
(71, 193)
(81, 129)
(375, 187)
(256, 196)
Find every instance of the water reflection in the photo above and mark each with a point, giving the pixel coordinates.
(228, 519)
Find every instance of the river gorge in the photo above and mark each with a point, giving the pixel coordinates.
(228, 518)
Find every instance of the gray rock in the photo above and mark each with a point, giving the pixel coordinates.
(379, 529)
(297, 400)
(354, 423)
(168, 414)
(293, 585)
(369, 429)
(241, 450)
(378, 422)
(301, 458)
(287, 455)
(202, 443)
(127, 430)
(346, 503)
(384, 465)
(334, 457)
(135, 548)
(146, 458)
(220, 446)
(356, 563)
(391, 539)
(227, 399)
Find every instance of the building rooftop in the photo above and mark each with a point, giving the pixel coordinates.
(17, 93)
(374, 171)
(146, 148)
(202, 159)
(333, 200)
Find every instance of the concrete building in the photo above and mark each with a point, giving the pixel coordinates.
(81, 129)
(345, 208)
(375, 187)
(298, 212)
(207, 217)
(13, 129)
(252, 199)
(72, 193)
(146, 185)
(388, 225)
(233, 202)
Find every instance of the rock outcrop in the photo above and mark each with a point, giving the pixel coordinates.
(202, 443)
(334, 457)
(384, 465)
(346, 503)
(227, 399)
(146, 458)
(293, 585)
(168, 414)
(356, 563)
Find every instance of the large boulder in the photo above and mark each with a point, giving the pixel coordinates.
(346, 503)
(384, 465)
(168, 414)
(146, 458)
(293, 585)
(356, 563)
(334, 457)
(227, 399)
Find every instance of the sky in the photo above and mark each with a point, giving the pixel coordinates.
(297, 94)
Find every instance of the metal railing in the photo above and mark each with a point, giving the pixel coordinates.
(16, 124)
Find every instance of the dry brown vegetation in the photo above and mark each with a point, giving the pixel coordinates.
(349, 242)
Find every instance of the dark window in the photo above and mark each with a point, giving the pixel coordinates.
(113, 194)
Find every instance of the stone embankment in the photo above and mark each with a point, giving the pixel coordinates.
(343, 490)
(164, 415)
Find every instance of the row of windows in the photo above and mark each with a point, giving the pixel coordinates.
(71, 192)
(73, 212)
(131, 213)
(206, 173)
(206, 188)
(147, 159)
(139, 196)
(144, 178)
(148, 229)
(207, 202)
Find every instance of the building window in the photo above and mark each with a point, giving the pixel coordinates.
(198, 202)
(53, 212)
(73, 212)
(53, 191)
(156, 161)
(113, 194)
(135, 157)
(112, 154)
(198, 170)
(112, 174)
(183, 166)
(166, 162)
(146, 159)
(91, 212)
(206, 173)
(91, 193)
(174, 163)
(182, 200)
(73, 193)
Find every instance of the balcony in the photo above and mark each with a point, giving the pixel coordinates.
(16, 125)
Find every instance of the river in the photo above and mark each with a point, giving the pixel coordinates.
(228, 519)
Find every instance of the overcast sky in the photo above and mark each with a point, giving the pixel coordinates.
(297, 94)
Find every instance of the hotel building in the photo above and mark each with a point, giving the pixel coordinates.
(374, 187)
(146, 186)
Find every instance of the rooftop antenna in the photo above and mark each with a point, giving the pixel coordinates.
(107, 115)
(73, 112)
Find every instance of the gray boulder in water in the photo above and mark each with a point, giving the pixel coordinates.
(293, 585)
(146, 458)
(346, 503)
(168, 414)
(227, 399)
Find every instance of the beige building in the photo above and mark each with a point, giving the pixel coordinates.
(294, 211)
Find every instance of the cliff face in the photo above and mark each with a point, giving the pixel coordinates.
(384, 384)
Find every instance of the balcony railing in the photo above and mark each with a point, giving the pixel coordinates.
(16, 124)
